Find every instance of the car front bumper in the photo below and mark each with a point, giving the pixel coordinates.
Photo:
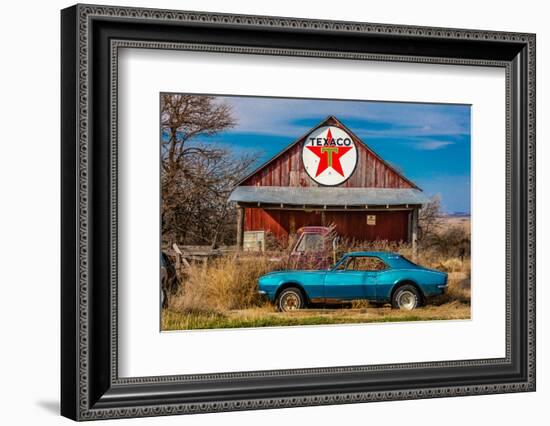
(443, 288)
(262, 296)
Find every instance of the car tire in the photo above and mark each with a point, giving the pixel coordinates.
(406, 297)
(290, 299)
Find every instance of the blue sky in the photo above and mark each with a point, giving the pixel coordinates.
(428, 143)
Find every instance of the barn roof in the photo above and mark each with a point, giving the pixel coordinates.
(327, 196)
(330, 120)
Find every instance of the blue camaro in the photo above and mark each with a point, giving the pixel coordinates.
(379, 277)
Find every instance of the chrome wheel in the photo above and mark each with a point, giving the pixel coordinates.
(407, 300)
(290, 300)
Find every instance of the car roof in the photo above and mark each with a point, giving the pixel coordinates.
(323, 230)
(383, 254)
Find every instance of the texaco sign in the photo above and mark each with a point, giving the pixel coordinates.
(329, 155)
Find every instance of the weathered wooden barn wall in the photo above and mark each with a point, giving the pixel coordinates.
(390, 225)
(287, 170)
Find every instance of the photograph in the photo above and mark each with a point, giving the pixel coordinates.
(308, 212)
(277, 208)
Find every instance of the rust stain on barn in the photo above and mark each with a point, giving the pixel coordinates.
(376, 202)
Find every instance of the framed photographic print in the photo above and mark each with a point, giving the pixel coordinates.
(263, 212)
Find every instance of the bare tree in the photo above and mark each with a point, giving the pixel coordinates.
(196, 206)
(184, 117)
(429, 216)
(196, 178)
(437, 233)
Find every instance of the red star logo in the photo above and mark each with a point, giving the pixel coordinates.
(329, 156)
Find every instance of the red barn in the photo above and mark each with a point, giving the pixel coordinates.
(329, 176)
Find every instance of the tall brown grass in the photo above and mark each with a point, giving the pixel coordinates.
(430, 257)
(230, 282)
(222, 284)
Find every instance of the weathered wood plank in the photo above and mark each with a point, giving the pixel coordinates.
(389, 225)
(371, 171)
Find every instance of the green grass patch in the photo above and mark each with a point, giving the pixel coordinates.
(192, 321)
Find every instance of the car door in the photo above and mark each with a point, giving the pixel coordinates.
(356, 278)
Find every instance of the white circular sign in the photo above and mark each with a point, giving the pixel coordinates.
(329, 155)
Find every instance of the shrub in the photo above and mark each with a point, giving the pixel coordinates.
(225, 283)
(452, 241)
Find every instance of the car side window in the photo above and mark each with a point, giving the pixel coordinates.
(366, 263)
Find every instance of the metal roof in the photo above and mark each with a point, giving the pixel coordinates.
(327, 196)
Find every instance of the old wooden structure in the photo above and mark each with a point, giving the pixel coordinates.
(376, 202)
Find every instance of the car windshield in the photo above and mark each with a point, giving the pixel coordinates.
(340, 265)
(310, 243)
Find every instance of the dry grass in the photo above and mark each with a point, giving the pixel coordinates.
(267, 317)
(222, 284)
(430, 257)
(461, 222)
(223, 292)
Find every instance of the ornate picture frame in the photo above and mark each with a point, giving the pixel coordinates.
(91, 38)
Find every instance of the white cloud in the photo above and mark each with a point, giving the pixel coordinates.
(428, 145)
(278, 117)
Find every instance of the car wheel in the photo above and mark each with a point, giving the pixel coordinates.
(406, 297)
(290, 299)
